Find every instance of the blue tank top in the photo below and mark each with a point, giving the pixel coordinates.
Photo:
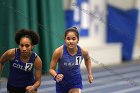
(21, 74)
(69, 65)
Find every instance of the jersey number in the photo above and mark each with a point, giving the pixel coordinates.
(28, 66)
(78, 60)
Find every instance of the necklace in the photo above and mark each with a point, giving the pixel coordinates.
(72, 52)
(24, 58)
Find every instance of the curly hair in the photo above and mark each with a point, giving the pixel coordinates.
(33, 36)
(72, 29)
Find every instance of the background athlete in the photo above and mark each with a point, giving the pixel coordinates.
(25, 65)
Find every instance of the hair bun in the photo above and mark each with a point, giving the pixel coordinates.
(75, 28)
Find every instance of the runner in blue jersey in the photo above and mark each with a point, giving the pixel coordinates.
(25, 65)
(69, 57)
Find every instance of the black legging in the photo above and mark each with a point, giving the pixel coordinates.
(12, 89)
